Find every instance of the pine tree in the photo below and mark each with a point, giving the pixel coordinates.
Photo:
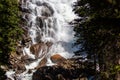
(99, 33)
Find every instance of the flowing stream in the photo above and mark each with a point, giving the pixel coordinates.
(48, 21)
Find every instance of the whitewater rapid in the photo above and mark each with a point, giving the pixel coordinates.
(47, 21)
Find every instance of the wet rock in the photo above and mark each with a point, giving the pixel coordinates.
(25, 10)
(38, 3)
(38, 37)
(25, 29)
(26, 59)
(13, 58)
(29, 71)
(57, 59)
(26, 41)
(42, 63)
(41, 48)
(49, 44)
(26, 16)
(36, 48)
(40, 21)
(19, 50)
(48, 10)
(20, 67)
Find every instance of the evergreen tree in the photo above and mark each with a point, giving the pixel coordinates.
(98, 30)
(10, 32)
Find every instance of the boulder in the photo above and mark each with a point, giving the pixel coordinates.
(36, 48)
(47, 10)
(38, 3)
(43, 47)
(26, 59)
(57, 58)
(20, 67)
(49, 44)
(42, 63)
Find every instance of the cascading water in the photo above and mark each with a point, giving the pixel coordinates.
(47, 23)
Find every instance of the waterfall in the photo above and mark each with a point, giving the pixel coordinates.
(48, 25)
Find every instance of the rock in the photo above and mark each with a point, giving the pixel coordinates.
(29, 71)
(19, 50)
(49, 44)
(60, 72)
(40, 22)
(36, 48)
(25, 10)
(42, 63)
(26, 59)
(4, 67)
(43, 47)
(13, 58)
(27, 16)
(55, 73)
(48, 77)
(16, 62)
(47, 10)
(38, 3)
(84, 78)
(60, 77)
(23, 3)
(26, 40)
(20, 67)
(57, 58)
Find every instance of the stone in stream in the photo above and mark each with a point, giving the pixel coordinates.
(38, 3)
(27, 60)
(57, 58)
(42, 63)
(47, 10)
(40, 22)
(40, 49)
